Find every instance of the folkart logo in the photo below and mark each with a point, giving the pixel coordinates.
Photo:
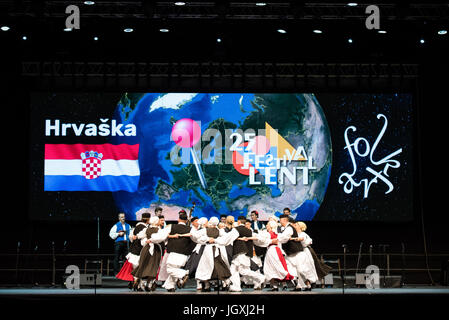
(378, 169)
(91, 166)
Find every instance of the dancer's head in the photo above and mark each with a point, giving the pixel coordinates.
(146, 217)
(284, 219)
(223, 218)
(202, 222)
(194, 222)
(272, 226)
(241, 220)
(230, 221)
(161, 221)
(154, 221)
(254, 215)
(301, 225)
(158, 211)
(182, 216)
(213, 222)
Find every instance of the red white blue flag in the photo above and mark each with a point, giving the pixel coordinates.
(91, 167)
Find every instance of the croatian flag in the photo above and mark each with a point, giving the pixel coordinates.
(91, 167)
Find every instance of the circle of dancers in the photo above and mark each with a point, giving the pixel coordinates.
(221, 253)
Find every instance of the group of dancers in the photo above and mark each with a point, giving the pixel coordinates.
(225, 252)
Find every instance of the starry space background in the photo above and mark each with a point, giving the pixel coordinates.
(361, 110)
(68, 108)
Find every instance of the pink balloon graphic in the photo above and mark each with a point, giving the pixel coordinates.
(261, 145)
(186, 133)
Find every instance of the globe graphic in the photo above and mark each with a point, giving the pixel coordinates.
(298, 118)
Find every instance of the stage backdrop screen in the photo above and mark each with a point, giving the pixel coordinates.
(327, 157)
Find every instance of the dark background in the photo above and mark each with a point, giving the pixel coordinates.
(68, 108)
(360, 111)
(244, 42)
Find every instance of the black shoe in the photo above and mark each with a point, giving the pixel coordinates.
(296, 289)
(308, 289)
(153, 286)
(274, 289)
(205, 290)
(171, 290)
(184, 280)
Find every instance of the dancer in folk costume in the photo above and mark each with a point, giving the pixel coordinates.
(305, 257)
(256, 264)
(314, 268)
(279, 230)
(162, 273)
(150, 256)
(214, 262)
(257, 226)
(132, 258)
(229, 224)
(275, 266)
(242, 252)
(194, 258)
(179, 247)
(292, 248)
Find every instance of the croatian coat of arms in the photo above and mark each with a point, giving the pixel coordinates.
(91, 167)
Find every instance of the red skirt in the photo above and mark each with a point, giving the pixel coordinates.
(125, 272)
(284, 264)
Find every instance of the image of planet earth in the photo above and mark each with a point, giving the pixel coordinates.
(298, 118)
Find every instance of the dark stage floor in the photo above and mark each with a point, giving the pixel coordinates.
(189, 304)
(37, 292)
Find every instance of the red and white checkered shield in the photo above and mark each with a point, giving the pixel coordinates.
(91, 164)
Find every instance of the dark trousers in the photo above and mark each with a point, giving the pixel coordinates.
(120, 252)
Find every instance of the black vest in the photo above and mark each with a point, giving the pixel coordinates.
(241, 246)
(135, 246)
(150, 231)
(181, 245)
(291, 247)
(213, 233)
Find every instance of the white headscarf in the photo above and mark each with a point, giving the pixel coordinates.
(213, 221)
(154, 221)
(202, 221)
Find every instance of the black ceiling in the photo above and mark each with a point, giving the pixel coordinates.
(247, 32)
(250, 47)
